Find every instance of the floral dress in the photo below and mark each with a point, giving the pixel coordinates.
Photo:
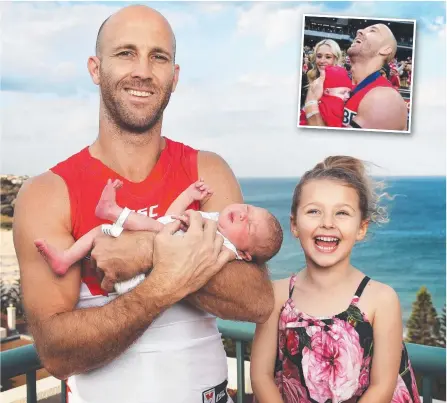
(328, 360)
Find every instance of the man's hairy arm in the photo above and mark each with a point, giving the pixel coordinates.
(71, 341)
(241, 290)
(382, 108)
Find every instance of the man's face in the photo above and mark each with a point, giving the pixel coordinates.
(368, 41)
(137, 72)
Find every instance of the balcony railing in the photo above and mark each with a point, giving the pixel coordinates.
(430, 362)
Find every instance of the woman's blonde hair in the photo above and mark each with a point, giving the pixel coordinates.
(313, 74)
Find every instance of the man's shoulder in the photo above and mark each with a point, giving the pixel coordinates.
(77, 159)
(209, 158)
(203, 155)
(383, 108)
(47, 184)
(378, 94)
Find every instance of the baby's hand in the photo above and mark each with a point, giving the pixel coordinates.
(184, 221)
(199, 191)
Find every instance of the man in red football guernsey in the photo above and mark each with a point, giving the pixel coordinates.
(374, 103)
(159, 341)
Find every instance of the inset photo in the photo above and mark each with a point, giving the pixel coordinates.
(356, 73)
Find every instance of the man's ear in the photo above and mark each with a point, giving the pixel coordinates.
(244, 255)
(93, 64)
(385, 50)
(176, 77)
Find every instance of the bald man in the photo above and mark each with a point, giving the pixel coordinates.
(374, 103)
(159, 342)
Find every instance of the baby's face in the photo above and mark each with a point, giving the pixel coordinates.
(340, 92)
(243, 224)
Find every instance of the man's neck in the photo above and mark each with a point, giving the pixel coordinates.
(360, 69)
(133, 156)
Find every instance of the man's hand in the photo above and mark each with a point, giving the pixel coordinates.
(122, 258)
(315, 91)
(186, 263)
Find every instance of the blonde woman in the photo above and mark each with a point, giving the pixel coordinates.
(326, 53)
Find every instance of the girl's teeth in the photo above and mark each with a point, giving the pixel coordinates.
(327, 239)
(326, 248)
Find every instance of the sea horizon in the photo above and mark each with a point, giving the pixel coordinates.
(412, 246)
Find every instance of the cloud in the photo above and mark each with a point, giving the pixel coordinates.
(210, 7)
(275, 24)
(251, 123)
(38, 131)
(56, 39)
(236, 96)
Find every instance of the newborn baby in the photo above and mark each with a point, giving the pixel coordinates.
(336, 91)
(252, 233)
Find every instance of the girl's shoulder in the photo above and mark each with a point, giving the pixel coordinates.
(378, 296)
(281, 291)
(379, 290)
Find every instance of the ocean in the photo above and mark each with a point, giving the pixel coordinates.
(406, 253)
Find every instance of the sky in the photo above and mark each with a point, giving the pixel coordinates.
(238, 88)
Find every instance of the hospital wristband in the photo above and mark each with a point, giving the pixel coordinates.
(311, 109)
(308, 103)
(309, 115)
(122, 217)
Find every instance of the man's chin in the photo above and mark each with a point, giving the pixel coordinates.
(137, 126)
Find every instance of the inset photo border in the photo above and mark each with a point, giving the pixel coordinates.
(356, 73)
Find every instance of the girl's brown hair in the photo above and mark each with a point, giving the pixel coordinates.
(351, 172)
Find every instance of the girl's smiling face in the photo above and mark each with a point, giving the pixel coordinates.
(328, 222)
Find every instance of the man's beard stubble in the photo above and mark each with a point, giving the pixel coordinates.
(120, 114)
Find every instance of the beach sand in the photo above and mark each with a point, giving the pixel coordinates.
(9, 267)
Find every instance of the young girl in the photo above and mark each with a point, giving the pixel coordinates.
(334, 335)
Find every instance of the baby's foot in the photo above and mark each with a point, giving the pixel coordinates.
(199, 190)
(107, 202)
(53, 257)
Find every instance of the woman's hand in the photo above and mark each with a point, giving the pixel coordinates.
(315, 91)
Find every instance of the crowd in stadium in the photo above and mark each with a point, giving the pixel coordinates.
(398, 72)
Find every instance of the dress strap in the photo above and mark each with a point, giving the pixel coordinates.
(362, 286)
(292, 285)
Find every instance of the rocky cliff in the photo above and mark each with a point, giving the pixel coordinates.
(10, 185)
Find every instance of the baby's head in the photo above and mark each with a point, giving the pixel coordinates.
(337, 83)
(256, 233)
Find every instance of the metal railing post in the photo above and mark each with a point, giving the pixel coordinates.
(428, 361)
(63, 392)
(240, 348)
(427, 387)
(31, 392)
